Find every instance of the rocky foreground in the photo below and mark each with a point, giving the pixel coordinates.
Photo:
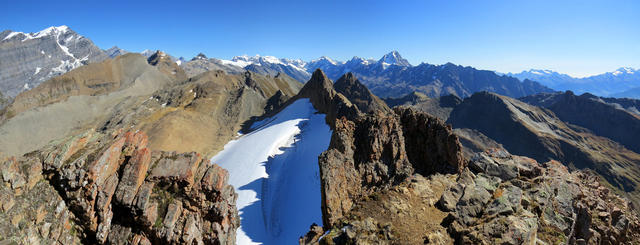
(389, 176)
(96, 188)
(401, 178)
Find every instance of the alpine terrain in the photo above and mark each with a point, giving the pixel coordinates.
(123, 147)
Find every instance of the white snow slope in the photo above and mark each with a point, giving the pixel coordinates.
(274, 170)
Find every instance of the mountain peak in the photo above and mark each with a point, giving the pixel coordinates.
(49, 31)
(393, 58)
(200, 56)
(624, 70)
(349, 86)
(326, 59)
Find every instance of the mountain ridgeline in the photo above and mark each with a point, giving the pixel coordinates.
(115, 151)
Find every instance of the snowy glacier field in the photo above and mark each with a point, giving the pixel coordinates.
(274, 169)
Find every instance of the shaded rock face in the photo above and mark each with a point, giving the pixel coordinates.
(430, 144)
(375, 151)
(358, 94)
(538, 133)
(608, 119)
(29, 59)
(509, 199)
(319, 89)
(113, 189)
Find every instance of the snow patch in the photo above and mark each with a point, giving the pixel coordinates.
(12, 34)
(37, 70)
(274, 170)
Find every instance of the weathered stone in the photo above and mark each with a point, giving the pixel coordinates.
(107, 164)
(178, 168)
(111, 202)
(472, 203)
(215, 178)
(144, 193)
(133, 176)
(174, 210)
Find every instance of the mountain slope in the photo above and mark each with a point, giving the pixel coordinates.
(537, 133)
(200, 114)
(631, 93)
(439, 107)
(28, 59)
(602, 118)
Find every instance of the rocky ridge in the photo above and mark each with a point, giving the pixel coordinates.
(111, 188)
(400, 177)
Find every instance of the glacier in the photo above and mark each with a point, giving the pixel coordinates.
(274, 169)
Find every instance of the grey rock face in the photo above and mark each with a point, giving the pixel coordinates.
(28, 59)
(115, 51)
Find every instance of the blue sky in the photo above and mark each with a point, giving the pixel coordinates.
(575, 37)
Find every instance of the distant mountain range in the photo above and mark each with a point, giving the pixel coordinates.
(623, 82)
(390, 76)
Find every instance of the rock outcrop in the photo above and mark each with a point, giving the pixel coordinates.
(319, 90)
(96, 188)
(505, 199)
(375, 151)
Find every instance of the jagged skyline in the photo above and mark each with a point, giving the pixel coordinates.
(578, 39)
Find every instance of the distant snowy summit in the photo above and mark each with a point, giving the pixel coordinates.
(607, 84)
(29, 59)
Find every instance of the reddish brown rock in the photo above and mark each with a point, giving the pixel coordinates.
(133, 176)
(107, 193)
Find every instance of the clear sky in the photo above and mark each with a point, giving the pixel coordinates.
(574, 37)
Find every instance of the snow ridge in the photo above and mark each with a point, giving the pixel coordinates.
(274, 170)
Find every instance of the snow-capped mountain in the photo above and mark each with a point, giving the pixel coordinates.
(29, 59)
(393, 58)
(613, 83)
(271, 65)
(394, 76)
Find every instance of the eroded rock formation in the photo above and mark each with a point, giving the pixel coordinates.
(96, 188)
